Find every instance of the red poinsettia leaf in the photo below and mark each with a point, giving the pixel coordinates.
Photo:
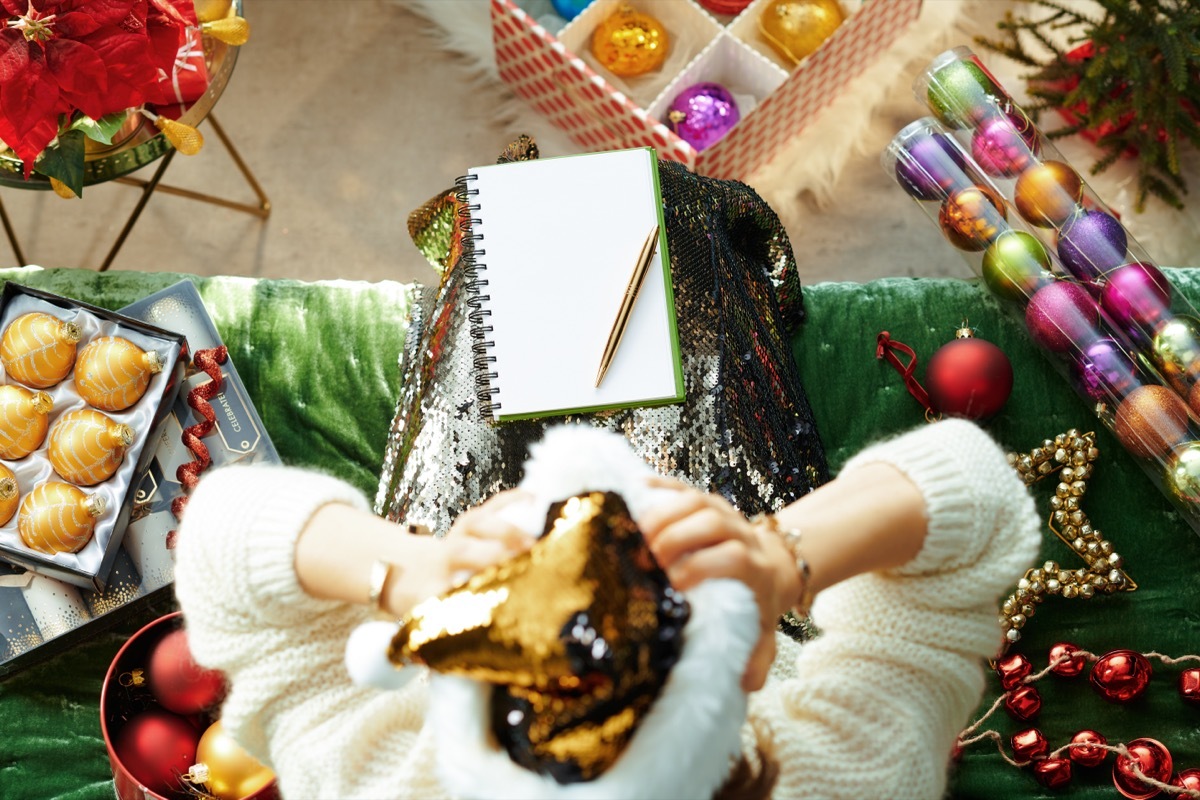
(165, 40)
(81, 75)
(14, 54)
(15, 8)
(181, 12)
(104, 12)
(74, 25)
(29, 98)
(130, 67)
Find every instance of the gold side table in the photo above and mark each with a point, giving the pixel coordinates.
(138, 144)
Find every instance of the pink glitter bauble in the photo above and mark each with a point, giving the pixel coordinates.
(1062, 315)
(1137, 297)
(1006, 144)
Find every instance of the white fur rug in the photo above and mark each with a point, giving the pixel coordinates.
(805, 183)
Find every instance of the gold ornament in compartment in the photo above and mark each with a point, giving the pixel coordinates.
(797, 28)
(57, 517)
(38, 349)
(10, 495)
(24, 420)
(87, 447)
(112, 373)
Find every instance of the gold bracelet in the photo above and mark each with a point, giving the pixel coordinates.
(791, 541)
(380, 572)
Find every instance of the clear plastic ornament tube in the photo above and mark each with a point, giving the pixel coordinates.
(1107, 357)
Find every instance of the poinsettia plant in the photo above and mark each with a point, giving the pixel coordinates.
(72, 69)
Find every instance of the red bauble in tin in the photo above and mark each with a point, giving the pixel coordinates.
(157, 747)
(178, 683)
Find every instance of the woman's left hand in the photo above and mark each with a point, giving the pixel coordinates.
(696, 536)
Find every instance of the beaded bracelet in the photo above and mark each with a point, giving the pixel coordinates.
(791, 541)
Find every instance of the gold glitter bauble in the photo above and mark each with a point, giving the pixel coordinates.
(112, 373)
(58, 518)
(232, 772)
(1176, 352)
(87, 447)
(1150, 421)
(23, 420)
(10, 496)
(973, 217)
(1048, 194)
(630, 43)
(796, 28)
(38, 349)
(1183, 472)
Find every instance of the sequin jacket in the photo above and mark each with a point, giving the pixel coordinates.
(870, 708)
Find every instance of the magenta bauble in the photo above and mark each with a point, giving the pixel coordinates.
(1005, 144)
(1104, 371)
(157, 747)
(1062, 315)
(177, 682)
(702, 113)
(1137, 297)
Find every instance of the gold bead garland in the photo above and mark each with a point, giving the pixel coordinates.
(1072, 455)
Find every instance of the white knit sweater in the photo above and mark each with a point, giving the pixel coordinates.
(871, 708)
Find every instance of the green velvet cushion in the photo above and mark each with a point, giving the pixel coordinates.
(320, 359)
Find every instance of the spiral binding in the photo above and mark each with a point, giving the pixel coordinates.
(472, 268)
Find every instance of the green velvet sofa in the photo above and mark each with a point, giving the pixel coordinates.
(320, 362)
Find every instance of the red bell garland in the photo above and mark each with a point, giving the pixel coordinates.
(1143, 767)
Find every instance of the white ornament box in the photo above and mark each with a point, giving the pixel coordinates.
(561, 79)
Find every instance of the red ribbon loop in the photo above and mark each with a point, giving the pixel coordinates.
(885, 348)
(210, 362)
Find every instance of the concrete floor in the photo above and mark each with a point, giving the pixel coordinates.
(352, 121)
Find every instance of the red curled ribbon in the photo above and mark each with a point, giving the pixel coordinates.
(885, 348)
(210, 362)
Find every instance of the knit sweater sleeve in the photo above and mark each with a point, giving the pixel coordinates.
(291, 702)
(879, 698)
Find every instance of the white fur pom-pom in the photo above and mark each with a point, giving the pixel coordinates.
(366, 657)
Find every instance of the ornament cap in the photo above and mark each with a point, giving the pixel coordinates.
(154, 361)
(964, 331)
(8, 488)
(70, 333)
(122, 434)
(42, 403)
(95, 505)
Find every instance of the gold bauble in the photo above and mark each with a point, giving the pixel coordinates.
(208, 10)
(1048, 194)
(1183, 472)
(1176, 352)
(796, 28)
(23, 420)
(112, 373)
(10, 496)
(973, 217)
(1150, 421)
(87, 447)
(38, 349)
(630, 43)
(232, 772)
(58, 518)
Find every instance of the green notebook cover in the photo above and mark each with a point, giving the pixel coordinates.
(555, 243)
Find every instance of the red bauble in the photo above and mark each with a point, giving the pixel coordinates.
(1012, 670)
(1151, 758)
(178, 683)
(157, 747)
(1053, 773)
(1072, 666)
(1023, 703)
(1121, 676)
(968, 377)
(1029, 744)
(1187, 779)
(1083, 750)
(1189, 685)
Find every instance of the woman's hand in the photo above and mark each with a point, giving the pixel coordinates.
(697, 536)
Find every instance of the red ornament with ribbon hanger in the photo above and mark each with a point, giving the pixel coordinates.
(967, 377)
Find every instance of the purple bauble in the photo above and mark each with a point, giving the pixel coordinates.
(1091, 243)
(1062, 315)
(703, 113)
(931, 166)
(1004, 145)
(1137, 297)
(1104, 371)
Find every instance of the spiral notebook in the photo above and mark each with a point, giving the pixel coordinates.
(553, 244)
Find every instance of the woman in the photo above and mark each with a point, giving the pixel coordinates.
(906, 552)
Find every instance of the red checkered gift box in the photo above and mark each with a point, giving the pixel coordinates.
(561, 79)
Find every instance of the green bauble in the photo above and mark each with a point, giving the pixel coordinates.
(1016, 265)
(1176, 350)
(961, 94)
(1183, 472)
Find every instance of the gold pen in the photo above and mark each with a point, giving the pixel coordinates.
(627, 301)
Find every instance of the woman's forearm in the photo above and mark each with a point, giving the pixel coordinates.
(871, 518)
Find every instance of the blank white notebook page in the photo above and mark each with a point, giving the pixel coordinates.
(560, 239)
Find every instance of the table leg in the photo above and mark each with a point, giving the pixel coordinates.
(147, 190)
(12, 236)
